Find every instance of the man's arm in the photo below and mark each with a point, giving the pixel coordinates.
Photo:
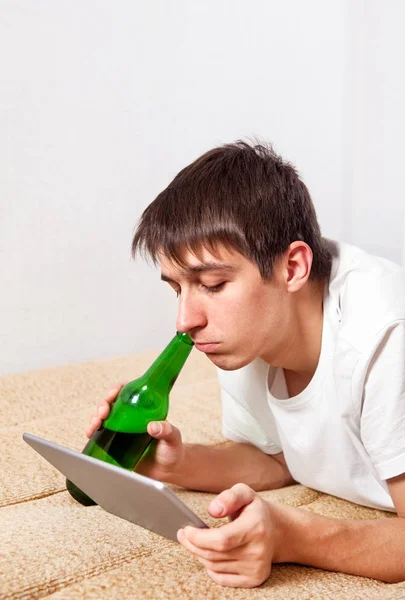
(218, 467)
(261, 533)
(370, 548)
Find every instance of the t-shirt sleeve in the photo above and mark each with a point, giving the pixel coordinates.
(383, 412)
(246, 416)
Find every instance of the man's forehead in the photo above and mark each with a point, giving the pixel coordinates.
(203, 261)
(190, 270)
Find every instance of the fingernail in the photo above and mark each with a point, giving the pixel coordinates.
(218, 507)
(156, 428)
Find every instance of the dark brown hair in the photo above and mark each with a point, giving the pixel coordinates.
(242, 196)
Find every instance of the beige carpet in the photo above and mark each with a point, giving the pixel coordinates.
(52, 547)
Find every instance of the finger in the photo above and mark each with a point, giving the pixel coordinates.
(229, 566)
(217, 569)
(103, 410)
(202, 553)
(230, 501)
(95, 423)
(239, 566)
(113, 392)
(234, 580)
(163, 430)
(219, 539)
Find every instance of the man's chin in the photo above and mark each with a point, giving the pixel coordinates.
(228, 362)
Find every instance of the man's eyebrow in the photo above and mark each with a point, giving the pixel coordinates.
(193, 270)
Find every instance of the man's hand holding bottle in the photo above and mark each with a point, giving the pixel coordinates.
(164, 458)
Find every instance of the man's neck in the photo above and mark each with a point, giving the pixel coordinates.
(300, 355)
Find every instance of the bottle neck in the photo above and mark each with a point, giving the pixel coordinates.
(170, 362)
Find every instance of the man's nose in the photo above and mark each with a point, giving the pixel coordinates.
(189, 315)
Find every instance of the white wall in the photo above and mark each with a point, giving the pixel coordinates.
(102, 103)
(375, 127)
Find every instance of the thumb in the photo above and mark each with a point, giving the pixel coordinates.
(231, 501)
(163, 430)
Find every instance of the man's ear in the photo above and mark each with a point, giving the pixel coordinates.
(297, 265)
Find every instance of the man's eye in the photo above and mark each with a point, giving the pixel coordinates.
(214, 288)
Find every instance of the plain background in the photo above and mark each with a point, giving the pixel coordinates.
(102, 103)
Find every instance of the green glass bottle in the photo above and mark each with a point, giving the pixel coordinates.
(123, 439)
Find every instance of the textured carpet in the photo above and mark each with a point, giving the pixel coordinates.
(52, 547)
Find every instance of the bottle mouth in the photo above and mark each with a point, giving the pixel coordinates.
(185, 338)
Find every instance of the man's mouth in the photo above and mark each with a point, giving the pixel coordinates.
(206, 347)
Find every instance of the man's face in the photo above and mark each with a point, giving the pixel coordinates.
(230, 312)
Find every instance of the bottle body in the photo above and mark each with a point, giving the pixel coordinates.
(117, 448)
(123, 439)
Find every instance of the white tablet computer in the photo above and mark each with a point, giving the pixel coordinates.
(124, 493)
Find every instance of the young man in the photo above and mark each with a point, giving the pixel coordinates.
(309, 338)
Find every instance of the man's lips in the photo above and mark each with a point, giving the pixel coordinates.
(206, 347)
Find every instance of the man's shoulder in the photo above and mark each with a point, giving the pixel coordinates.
(366, 291)
(348, 259)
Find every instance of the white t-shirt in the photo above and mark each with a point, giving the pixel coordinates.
(345, 433)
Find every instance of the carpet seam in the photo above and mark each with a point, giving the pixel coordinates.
(32, 499)
(35, 592)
